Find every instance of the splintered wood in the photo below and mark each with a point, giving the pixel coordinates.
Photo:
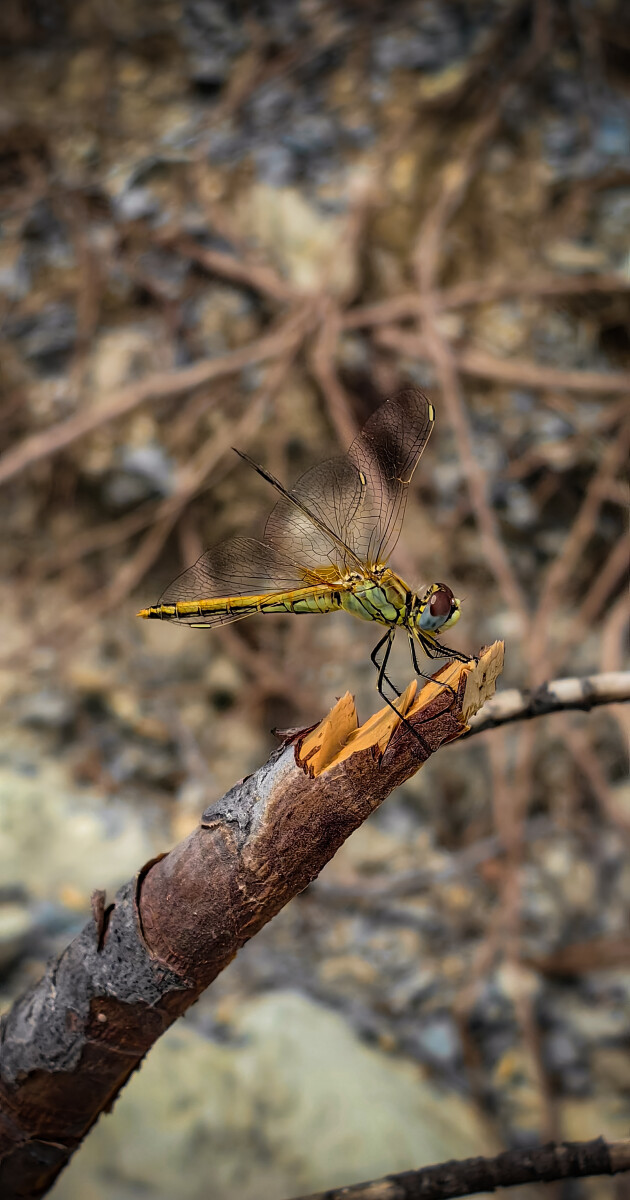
(339, 735)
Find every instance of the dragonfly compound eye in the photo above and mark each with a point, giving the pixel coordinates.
(441, 602)
(441, 610)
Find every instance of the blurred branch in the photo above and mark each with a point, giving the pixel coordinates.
(556, 579)
(531, 375)
(460, 168)
(70, 1044)
(556, 1160)
(614, 636)
(580, 747)
(605, 582)
(192, 477)
(493, 546)
(368, 893)
(154, 387)
(579, 958)
(560, 695)
(409, 305)
(427, 255)
(489, 291)
(520, 372)
(258, 276)
(324, 372)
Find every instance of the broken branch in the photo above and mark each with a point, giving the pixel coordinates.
(69, 1045)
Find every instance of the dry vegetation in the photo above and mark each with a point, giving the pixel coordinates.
(228, 227)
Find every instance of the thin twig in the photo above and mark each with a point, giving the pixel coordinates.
(409, 883)
(404, 306)
(459, 170)
(192, 479)
(510, 819)
(527, 374)
(510, 802)
(559, 695)
(455, 180)
(556, 1160)
(111, 533)
(488, 291)
(612, 655)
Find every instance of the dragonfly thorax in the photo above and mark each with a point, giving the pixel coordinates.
(381, 597)
(385, 598)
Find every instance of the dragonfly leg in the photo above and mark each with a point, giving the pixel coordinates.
(380, 667)
(422, 674)
(456, 654)
(382, 678)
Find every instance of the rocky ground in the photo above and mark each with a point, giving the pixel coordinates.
(310, 205)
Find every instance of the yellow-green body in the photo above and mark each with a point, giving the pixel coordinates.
(347, 512)
(385, 600)
(379, 596)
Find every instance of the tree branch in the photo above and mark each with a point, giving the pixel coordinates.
(69, 1045)
(559, 695)
(556, 1160)
(153, 387)
(521, 372)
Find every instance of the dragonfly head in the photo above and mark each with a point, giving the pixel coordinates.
(440, 609)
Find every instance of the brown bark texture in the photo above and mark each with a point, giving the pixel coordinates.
(69, 1045)
(464, 1177)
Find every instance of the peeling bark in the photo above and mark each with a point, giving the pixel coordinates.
(69, 1045)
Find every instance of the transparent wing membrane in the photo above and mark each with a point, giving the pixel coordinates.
(333, 494)
(343, 515)
(387, 452)
(360, 498)
(237, 567)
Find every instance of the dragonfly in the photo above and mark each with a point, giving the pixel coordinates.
(326, 547)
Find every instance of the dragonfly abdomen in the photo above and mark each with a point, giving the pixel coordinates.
(384, 601)
(316, 600)
(304, 600)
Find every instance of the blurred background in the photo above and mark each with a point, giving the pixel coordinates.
(230, 224)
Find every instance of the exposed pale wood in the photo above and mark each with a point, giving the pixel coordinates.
(337, 737)
(70, 1045)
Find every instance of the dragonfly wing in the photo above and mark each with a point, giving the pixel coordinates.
(342, 515)
(316, 523)
(386, 454)
(237, 567)
(357, 502)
